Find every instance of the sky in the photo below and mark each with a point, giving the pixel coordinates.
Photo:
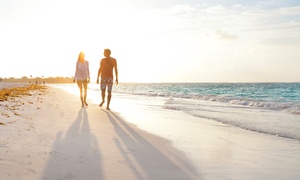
(154, 40)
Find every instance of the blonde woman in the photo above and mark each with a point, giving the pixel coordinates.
(82, 76)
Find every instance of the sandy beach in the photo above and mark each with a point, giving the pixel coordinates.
(49, 136)
(54, 138)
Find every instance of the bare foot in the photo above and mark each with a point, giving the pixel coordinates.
(107, 108)
(86, 104)
(101, 103)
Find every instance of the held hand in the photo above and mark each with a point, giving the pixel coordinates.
(73, 80)
(88, 81)
(117, 82)
(97, 80)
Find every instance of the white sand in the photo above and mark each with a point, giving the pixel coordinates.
(217, 150)
(51, 137)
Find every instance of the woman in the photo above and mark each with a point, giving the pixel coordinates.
(82, 75)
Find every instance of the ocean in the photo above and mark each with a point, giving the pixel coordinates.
(267, 108)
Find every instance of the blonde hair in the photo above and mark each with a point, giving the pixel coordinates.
(81, 56)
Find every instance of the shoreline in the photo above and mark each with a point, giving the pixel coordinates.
(55, 138)
(220, 151)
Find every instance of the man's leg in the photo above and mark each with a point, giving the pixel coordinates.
(103, 97)
(108, 100)
(103, 89)
(109, 89)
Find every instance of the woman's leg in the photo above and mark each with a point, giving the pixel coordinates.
(79, 83)
(85, 91)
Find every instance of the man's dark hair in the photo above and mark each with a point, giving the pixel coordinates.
(107, 51)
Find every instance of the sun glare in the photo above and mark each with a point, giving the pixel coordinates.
(164, 42)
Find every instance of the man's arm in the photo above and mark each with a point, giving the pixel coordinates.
(116, 72)
(99, 72)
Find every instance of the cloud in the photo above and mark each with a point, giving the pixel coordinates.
(226, 22)
(225, 35)
(287, 41)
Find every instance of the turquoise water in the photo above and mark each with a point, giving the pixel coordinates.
(277, 96)
(268, 108)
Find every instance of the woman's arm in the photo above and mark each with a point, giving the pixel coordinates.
(75, 76)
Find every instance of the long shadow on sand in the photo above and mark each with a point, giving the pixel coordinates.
(75, 156)
(145, 158)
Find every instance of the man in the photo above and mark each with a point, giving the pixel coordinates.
(107, 65)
